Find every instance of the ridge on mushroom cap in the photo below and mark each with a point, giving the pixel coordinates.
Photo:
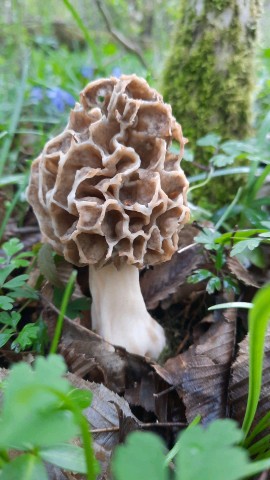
(108, 189)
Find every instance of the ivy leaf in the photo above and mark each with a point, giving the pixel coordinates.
(251, 244)
(26, 337)
(6, 303)
(141, 457)
(199, 275)
(211, 453)
(16, 282)
(210, 140)
(12, 247)
(26, 467)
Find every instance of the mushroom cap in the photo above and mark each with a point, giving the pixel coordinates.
(108, 189)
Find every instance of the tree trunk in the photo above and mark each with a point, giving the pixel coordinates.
(209, 79)
(209, 74)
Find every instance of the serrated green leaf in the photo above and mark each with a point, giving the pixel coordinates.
(251, 244)
(12, 246)
(35, 395)
(141, 457)
(47, 266)
(26, 337)
(4, 273)
(210, 140)
(199, 275)
(11, 319)
(24, 292)
(24, 467)
(82, 398)
(221, 160)
(16, 282)
(207, 237)
(5, 337)
(6, 303)
(213, 284)
(69, 457)
(212, 453)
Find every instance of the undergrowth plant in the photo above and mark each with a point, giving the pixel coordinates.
(41, 412)
(220, 451)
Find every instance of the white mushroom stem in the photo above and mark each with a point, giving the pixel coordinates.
(119, 313)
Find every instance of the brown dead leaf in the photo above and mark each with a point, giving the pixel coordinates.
(241, 273)
(163, 280)
(88, 355)
(238, 386)
(201, 374)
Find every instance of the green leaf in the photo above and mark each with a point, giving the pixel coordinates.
(6, 303)
(188, 155)
(24, 467)
(210, 454)
(207, 237)
(16, 282)
(11, 319)
(109, 49)
(210, 140)
(35, 395)
(26, 337)
(82, 398)
(141, 457)
(213, 285)
(258, 319)
(12, 246)
(199, 275)
(231, 305)
(251, 244)
(4, 273)
(221, 160)
(69, 457)
(24, 292)
(5, 337)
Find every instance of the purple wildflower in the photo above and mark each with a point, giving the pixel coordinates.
(36, 94)
(116, 72)
(87, 71)
(60, 98)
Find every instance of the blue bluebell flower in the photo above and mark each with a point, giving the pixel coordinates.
(87, 71)
(36, 94)
(60, 98)
(116, 72)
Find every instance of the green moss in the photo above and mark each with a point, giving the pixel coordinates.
(208, 78)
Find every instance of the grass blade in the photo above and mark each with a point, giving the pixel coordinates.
(18, 104)
(63, 308)
(258, 319)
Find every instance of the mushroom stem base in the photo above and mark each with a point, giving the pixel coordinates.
(119, 313)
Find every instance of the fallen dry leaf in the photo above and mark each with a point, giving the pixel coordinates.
(241, 273)
(201, 374)
(167, 279)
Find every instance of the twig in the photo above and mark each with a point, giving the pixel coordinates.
(119, 37)
(141, 425)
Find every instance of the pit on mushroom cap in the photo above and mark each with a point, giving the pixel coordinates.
(108, 193)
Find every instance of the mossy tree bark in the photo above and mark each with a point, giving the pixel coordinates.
(209, 75)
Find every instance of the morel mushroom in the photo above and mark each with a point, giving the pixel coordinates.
(109, 193)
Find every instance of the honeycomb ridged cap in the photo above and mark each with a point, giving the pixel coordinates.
(108, 189)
